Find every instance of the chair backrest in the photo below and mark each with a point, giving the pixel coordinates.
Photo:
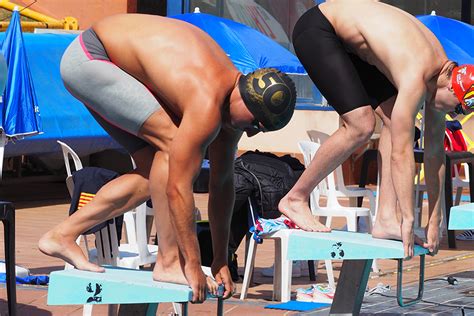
(105, 237)
(317, 136)
(320, 137)
(327, 186)
(106, 242)
(308, 149)
(68, 152)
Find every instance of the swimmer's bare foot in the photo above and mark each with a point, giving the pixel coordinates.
(172, 272)
(56, 245)
(300, 214)
(392, 230)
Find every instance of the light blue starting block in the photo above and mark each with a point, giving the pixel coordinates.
(117, 286)
(462, 217)
(357, 250)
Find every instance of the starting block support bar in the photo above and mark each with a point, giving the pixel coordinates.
(351, 287)
(421, 283)
(153, 308)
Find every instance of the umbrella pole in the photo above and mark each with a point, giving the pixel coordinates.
(3, 142)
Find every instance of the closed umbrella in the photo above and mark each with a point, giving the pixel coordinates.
(19, 109)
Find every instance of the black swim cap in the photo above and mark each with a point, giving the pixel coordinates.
(270, 95)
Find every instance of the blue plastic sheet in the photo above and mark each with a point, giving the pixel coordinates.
(31, 279)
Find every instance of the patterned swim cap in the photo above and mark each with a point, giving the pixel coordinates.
(463, 85)
(270, 95)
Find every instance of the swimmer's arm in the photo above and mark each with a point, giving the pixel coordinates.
(198, 127)
(434, 159)
(403, 116)
(222, 153)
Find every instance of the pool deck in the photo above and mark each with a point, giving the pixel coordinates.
(41, 206)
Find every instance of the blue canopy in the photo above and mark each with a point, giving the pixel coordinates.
(63, 116)
(456, 37)
(246, 47)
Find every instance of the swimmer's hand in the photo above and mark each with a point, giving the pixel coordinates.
(222, 275)
(432, 237)
(197, 281)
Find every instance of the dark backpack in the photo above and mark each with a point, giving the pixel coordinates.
(266, 178)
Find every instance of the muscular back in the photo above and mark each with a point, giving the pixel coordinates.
(175, 60)
(387, 37)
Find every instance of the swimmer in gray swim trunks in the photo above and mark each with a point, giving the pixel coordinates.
(167, 92)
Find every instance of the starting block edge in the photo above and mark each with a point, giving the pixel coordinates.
(114, 286)
(461, 217)
(342, 245)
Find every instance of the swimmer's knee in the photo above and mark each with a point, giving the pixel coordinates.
(362, 125)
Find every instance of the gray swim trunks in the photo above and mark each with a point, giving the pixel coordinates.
(119, 102)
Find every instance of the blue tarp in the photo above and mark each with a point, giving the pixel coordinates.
(63, 117)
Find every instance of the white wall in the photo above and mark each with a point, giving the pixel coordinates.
(285, 140)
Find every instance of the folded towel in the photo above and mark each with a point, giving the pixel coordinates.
(265, 226)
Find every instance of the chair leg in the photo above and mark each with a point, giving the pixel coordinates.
(328, 221)
(351, 223)
(370, 223)
(178, 309)
(457, 200)
(286, 272)
(312, 270)
(9, 233)
(248, 268)
(375, 267)
(330, 273)
(277, 280)
(87, 310)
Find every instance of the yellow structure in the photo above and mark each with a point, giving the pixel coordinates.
(41, 20)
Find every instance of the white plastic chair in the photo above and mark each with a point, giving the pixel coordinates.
(281, 272)
(341, 190)
(136, 252)
(328, 187)
(333, 208)
(133, 254)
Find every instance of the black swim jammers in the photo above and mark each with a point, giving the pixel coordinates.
(346, 81)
